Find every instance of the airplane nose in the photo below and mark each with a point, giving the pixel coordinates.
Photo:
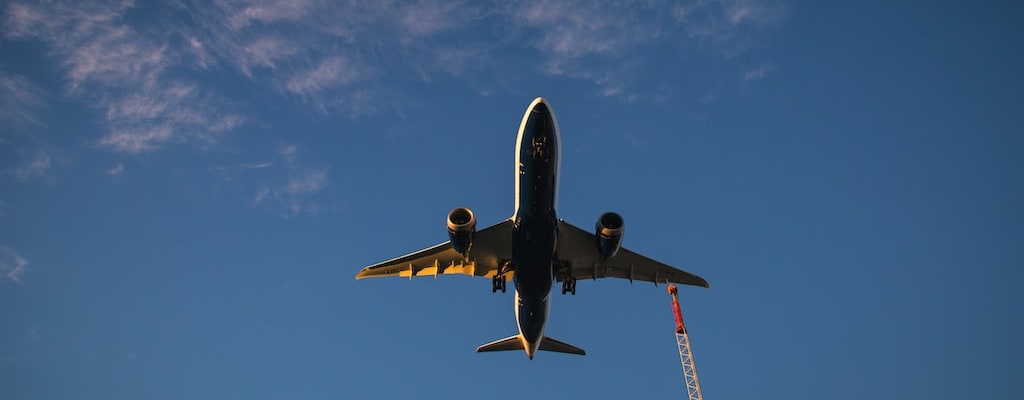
(541, 121)
(541, 108)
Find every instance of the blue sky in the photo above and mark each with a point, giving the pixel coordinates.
(187, 191)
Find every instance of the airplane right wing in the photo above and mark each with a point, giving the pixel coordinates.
(491, 247)
(578, 248)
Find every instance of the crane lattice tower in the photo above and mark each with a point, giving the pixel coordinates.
(685, 351)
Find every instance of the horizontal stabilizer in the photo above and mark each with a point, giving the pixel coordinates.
(549, 344)
(509, 343)
(516, 343)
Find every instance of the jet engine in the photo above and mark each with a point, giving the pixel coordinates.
(610, 228)
(461, 228)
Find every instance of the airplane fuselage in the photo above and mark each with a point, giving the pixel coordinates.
(535, 233)
(534, 248)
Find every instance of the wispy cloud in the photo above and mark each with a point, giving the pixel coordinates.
(259, 165)
(12, 265)
(20, 100)
(137, 140)
(241, 14)
(341, 56)
(290, 189)
(757, 73)
(605, 42)
(728, 24)
(146, 68)
(131, 75)
(306, 182)
(331, 73)
(295, 195)
(36, 165)
(567, 30)
(753, 12)
(116, 170)
(586, 42)
(266, 52)
(287, 151)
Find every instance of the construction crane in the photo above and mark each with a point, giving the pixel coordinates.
(685, 352)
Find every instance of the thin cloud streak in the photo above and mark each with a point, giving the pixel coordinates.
(37, 166)
(241, 14)
(295, 186)
(116, 171)
(257, 165)
(597, 43)
(568, 31)
(330, 73)
(266, 52)
(294, 196)
(721, 21)
(20, 100)
(756, 73)
(587, 43)
(308, 182)
(137, 140)
(288, 152)
(12, 265)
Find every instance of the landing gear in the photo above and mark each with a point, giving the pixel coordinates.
(498, 283)
(564, 272)
(569, 285)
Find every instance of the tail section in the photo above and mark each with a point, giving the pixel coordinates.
(516, 343)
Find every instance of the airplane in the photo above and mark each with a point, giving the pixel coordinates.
(533, 248)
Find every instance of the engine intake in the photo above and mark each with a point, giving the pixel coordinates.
(461, 229)
(609, 230)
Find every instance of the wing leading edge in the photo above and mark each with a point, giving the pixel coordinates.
(577, 248)
(491, 247)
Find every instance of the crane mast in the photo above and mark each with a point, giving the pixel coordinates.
(685, 352)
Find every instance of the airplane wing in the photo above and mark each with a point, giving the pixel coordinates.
(491, 247)
(578, 248)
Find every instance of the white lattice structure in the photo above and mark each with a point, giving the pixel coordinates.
(685, 352)
(689, 371)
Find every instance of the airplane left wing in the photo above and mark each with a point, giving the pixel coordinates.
(491, 247)
(578, 248)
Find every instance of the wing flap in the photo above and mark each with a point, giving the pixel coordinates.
(490, 247)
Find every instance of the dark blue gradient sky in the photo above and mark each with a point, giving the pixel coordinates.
(187, 191)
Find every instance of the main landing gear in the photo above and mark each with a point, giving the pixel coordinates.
(569, 285)
(498, 283)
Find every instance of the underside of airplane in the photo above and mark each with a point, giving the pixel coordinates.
(533, 248)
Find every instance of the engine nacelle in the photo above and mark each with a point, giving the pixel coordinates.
(610, 228)
(461, 229)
